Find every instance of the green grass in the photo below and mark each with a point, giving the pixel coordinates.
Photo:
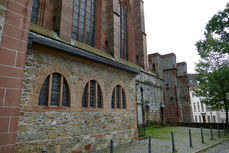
(162, 133)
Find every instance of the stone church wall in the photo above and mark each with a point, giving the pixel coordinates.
(149, 98)
(74, 129)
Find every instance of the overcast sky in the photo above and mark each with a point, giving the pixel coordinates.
(176, 25)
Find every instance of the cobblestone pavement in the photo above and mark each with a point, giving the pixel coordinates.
(221, 148)
(165, 146)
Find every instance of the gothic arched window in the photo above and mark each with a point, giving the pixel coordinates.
(92, 95)
(34, 11)
(84, 21)
(123, 8)
(118, 99)
(54, 91)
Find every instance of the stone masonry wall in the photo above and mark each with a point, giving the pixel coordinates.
(152, 96)
(3, 8)
(74, 129)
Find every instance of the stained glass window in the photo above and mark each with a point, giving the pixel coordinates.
(123, 29)
(118, 99)
(84, 21)
(92, 95)
(34, 11)
(43, 97)
(54, 86)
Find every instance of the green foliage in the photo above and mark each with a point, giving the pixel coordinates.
(213, 87)
(216, 34)
(213, 68)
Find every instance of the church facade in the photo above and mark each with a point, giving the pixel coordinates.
(75, 74)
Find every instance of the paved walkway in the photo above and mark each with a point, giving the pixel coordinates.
(162, 143)
(221, 148)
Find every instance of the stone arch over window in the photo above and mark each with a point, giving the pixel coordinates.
(124, 11)
(118, 99)
(92, 95)
(86, 21)
(43, 78)
(54, 91)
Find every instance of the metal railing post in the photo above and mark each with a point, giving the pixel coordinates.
(202, 135)
(218, 132)
(173, 143)
(211, 132)
(111, 147)
(190, 137)
(149, 149)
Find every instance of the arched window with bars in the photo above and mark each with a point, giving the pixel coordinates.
(118, 99)
(123, 10)
(92, 95)
(54, 91)
(84, 21)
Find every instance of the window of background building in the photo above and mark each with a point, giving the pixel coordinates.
(196, 118)
(92, 95)
(202, 107)
(84, 21)
(118, 99)
(55, 86)
(209, 119)
(198, 106)
(200, 119)
(194, 104)
(123, 9)
(214, 120)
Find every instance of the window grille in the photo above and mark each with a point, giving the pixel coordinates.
(55, 89)
(118, 96)
(84, 101)
(99, 105)
(43, 97)
(55, 86)
(34, 11)
(92, 95)
(112, 99)
(84, 21)
(118, 99)
(123, 29)
(65, 100)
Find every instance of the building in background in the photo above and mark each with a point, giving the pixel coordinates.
(201, 112)
(175, 86)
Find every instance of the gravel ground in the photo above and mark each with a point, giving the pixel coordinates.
(164, 145)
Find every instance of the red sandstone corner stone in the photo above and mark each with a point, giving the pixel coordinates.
(13, 124)
(19, 9)
(26, 3)
(2, 94)
(8, 149)
(7, 57)
(9, 138)
(12, 97)
(4, 125)
(5, 111)
(13, 19)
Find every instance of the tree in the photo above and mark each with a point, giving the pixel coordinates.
(216, 34)
(213, 68)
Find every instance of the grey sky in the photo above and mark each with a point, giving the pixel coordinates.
(176, 25)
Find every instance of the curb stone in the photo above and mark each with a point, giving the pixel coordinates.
(213, 145)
